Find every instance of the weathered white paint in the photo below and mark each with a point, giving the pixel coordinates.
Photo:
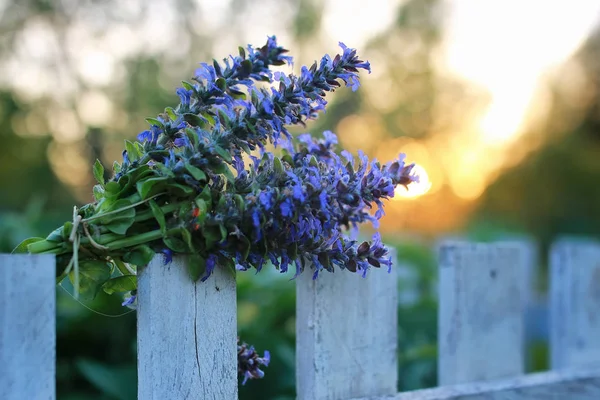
(346, 335)
(575, 303)
(27, 327)
(186, 334)
(563, 385)
(481, 305)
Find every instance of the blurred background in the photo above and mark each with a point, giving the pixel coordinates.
(497, 101)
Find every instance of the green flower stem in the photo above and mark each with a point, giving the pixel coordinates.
(134, 240)
(46, 247)
(168, 208)
(50, 247)
(93, 217)
(123, 268)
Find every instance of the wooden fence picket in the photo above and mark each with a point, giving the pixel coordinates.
(575, 303)
(480, 318)
(187, 334)
(346, 329)
(27, 327)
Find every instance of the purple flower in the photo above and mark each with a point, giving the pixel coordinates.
(167, 256)
(211, 263)
(184, 95)
(287, 208)
(130, 299)
(150, 135)
(181, 141)
(268, 106)
(266, 200)
(249, 362)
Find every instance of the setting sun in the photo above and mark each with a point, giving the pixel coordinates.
(416, 189)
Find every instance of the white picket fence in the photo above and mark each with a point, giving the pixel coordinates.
(346, 329)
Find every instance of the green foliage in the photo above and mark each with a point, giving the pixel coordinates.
(120, 284)
(92, 276)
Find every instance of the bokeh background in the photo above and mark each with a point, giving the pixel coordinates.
(497, 101)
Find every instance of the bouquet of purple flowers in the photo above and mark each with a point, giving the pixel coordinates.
(201, 182)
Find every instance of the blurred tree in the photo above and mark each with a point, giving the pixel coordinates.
(553, 190)
(408, 49)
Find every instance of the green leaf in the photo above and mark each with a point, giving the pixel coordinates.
(293, 251)
(192, 136)
(202, 210)
(141, 172)
(56, 235)
(239, 202)
(277, 166)
(159, 216)
(197, 173)
(236, 94)
(154, 121)
(120, 212)
(125, 183)
(171, 113)
(212, 235)
(112, 188)
(225, 155)
(324, 260)
(187, 86)
(140, 255)
(98, 171)
(121, 220)
(196, 266)
(163, 170)
(194, 120)
(209, 117)
(116, 167)
(150, 187)
(313, 162)
(92, 275)
(246, 67)
(223, 231)
(187, 238)
(98, 192)
(217, 67)
(206, 195)
(180, 190)
(221, 83)
(132, 151)
(22, 247)
(242, 52)
(288, 159)
(225, 171)
(120, 284)
(66, 231)
(140, 149)
(175, 244)
(244, 247)
(229, 265)
(120, 226)
(224, 118)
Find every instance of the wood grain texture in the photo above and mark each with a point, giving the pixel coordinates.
(564, 385)
(481, 311)
(575, 303)
(27, 327)
(186, 334)
(346, 335)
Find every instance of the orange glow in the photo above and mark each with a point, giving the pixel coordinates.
(416, 189)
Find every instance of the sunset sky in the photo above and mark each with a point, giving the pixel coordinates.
(504, 47)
